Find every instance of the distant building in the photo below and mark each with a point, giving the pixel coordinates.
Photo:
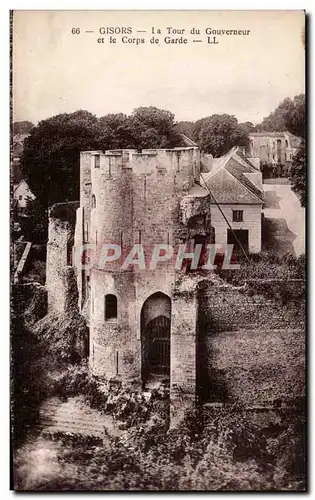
(22, 194)
(235, 183)
(273, 147)
(21, 190)
(18, 146)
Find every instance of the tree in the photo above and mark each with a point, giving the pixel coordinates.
(217, 134)
(294, 115)
(298, 174)
(23, 127)
(273, 123)
(186, 128)
(289, 115)
(154, 128)
(198, 126)
(51, 156)
(115, 132)
(248, 127)
(34, 223)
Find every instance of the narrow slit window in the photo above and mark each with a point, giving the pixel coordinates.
(109, 167)
(110, 307)
(93, 201)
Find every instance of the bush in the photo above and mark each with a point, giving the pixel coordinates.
(233, 451)
(36, 273)
(273, 171)
(65, 336)
(265, 265)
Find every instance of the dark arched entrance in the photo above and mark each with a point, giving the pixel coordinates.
(155, 337)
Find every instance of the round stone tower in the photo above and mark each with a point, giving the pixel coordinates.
(127, 199)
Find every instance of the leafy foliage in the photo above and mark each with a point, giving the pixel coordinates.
(64, 337)
(225, 450)
(217, 134)
(298, 174)
(51, 156)
(22, 127)
(154, 128)
(50, 159)
(186, 128)
(34, 222)
(289, 115)
(115, 132)
(248, 127)
(265, 265)
(231, 452)
(275, 170)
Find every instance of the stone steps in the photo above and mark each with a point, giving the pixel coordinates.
(75, 416)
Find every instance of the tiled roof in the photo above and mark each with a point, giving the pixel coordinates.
(221, 184)
(237, 170)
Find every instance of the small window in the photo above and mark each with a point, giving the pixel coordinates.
(93, 201)
(237, 215)
(110, 307)
(20, 197)
(97, 161)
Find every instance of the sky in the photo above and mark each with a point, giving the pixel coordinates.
(55, 71)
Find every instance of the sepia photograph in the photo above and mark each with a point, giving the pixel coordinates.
(157, 250)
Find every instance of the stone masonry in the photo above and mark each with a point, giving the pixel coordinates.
(217, 343)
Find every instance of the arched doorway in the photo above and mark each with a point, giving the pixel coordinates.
(155, 338)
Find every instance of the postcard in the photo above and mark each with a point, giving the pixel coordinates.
(158, 194)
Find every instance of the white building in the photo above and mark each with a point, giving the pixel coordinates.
(22, 194)
(237, 196)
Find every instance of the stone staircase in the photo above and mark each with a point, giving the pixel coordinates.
(75, 416)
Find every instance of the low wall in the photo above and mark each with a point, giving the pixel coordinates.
(251, 347)
(60, 276)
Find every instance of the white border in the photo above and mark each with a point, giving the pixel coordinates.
(4, 180)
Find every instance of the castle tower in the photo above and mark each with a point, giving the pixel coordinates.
(142, 324)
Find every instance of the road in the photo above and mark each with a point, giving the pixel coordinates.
(284, 220)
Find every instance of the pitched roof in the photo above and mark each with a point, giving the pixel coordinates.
(187, 141)
(230, 168)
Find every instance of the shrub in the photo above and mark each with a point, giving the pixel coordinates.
(36, 273)
(265, 265)
(64, 336)
(187, 458)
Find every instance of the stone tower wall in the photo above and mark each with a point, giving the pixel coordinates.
(134, 198)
